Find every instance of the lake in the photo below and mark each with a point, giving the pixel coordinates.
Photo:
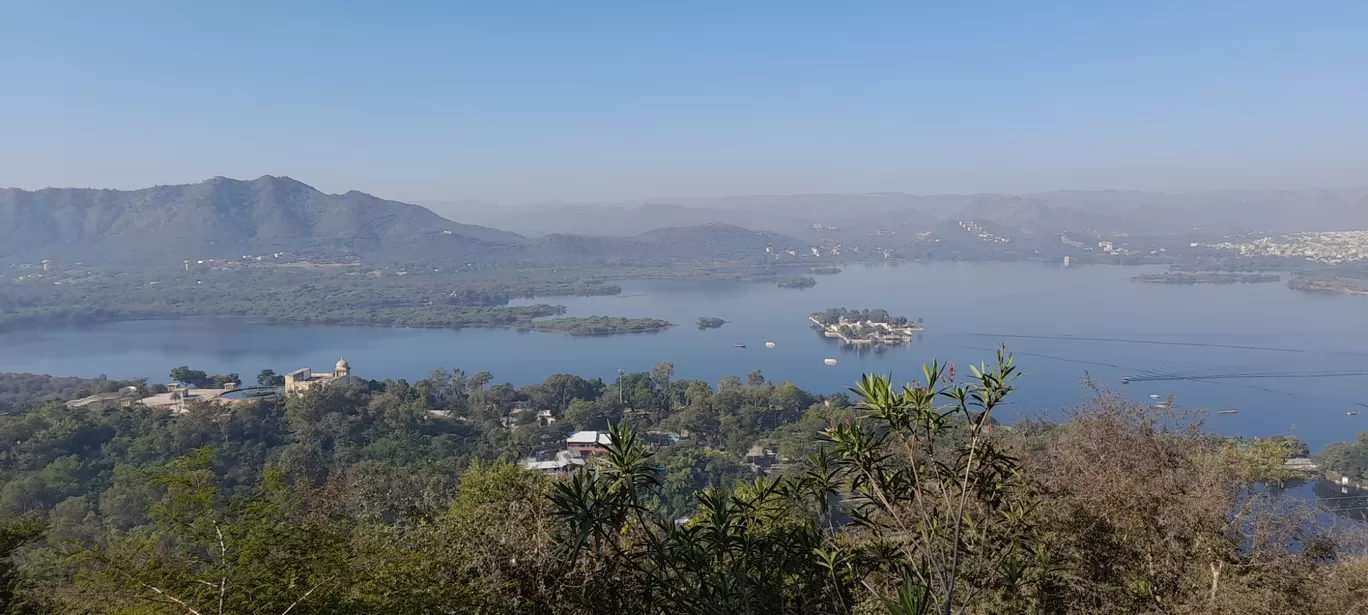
(1288, 362)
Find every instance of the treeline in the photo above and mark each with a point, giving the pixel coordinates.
(835, 315)
(390, 497)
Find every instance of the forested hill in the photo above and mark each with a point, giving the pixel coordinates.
(224, 217)
(227, 218)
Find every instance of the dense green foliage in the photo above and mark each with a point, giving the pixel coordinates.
(1347, 458)
(705, 322)
(389, 497)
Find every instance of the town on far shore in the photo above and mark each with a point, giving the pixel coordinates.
(865, 327)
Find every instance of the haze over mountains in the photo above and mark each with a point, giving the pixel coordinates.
(1277, 211)
(224, 217)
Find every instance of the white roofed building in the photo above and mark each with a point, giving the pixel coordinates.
(585, 443)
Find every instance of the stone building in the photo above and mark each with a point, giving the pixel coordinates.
(303, 378)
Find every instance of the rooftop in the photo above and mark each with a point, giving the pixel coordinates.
(588, 437)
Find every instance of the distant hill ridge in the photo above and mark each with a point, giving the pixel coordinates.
(1041, 213)
(223, 217)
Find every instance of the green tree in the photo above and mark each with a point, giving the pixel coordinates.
(661, 373)
(268, 378)
(755, 378)
(214, 554)
(15, 533)
(193, 377)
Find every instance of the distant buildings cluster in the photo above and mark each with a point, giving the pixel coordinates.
(978, 231)
(1321, 247)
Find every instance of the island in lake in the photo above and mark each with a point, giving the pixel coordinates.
(865, 327)
(1207, 278)
(1329, 284)
(796, 282)
(705, 322)
(824, 270)
(599, 325)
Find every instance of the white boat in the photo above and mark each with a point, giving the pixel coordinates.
(1152, 396)
(830, 361)
(769, 344)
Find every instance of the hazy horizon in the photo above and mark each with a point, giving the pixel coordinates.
(1351, 192)
(624, 102)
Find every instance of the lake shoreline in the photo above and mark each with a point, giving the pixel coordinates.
(209, 318)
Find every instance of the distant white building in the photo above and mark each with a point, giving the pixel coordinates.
(585, 443)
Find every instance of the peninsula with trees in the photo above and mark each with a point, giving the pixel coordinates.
(865, 327)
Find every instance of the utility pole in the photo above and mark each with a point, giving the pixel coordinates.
(620, 386)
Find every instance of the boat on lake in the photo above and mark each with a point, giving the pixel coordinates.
(739, 345)
(1125, 381)
(1226, 411)
(1153, 396)
(830, 361)
(769, 344)
(1351, 413)
(1162, 405)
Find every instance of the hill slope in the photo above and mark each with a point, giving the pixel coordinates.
(225, 217)
(706, 241)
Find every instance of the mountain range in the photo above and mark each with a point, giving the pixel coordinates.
(223, 217)
(1107, 211)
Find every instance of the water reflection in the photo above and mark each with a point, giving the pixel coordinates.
(863, 350)
(1343, 500)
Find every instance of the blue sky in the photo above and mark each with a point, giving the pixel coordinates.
(518, 101)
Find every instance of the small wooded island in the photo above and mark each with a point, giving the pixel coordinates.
(599, 325)
(705, 322)
(796, 282)
(1329, 284)
(1206, 278)
(824, 270)
(865, 327)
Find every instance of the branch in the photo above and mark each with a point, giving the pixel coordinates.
(166, 595)
(306, 595)
(223, 560)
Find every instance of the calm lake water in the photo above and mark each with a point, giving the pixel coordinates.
(1287, 361)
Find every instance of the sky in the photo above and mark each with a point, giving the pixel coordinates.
(515, 101)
